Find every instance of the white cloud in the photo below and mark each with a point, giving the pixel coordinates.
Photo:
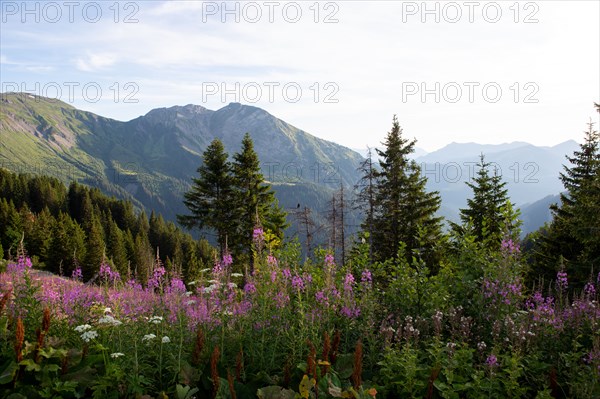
(93, 62)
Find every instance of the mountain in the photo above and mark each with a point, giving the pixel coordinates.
(531, 172)
(152, 159)
(536, 214)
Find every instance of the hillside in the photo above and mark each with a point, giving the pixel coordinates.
(151, 159)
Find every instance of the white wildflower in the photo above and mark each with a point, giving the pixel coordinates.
(89, 335)
(148, 337)
(82, 328)
(237, 275)
(165, 340)
(116, 355)
(108, 319)
(190, 302)
(155, 319)
(107, 310)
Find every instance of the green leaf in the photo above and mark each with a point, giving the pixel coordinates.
(275, 392)
(8, 372)
(30, 365)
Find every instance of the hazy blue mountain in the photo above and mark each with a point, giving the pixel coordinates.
(536, 214)
(531, 172)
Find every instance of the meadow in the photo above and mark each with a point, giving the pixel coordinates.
(293, 329)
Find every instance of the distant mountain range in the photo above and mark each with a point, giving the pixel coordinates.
(151, 159)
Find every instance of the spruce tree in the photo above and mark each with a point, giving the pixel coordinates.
(116, 248)
(211, 197)
(404, 210)
(485, 209)
(255, 198)
(95, 249)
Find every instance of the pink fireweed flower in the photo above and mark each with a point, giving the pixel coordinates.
(107, 274)
(271, 260)
(329, 260)
(298, 283)
(249, 288)
(351, 312)
(23, 263)
(322, 298)
(155, 281)
(177, 286)
(366, 276)
(77, 274)
(227, 259)
(491, 361)
(562, 280)
(258, 235)
(510, 247)
(286, 273)
(589, 289)
(348, 282)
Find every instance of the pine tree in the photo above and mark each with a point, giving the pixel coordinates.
(211, 196)
(484, 212)
(404, 211)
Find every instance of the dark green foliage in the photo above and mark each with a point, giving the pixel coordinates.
(62, 226)
(255, 199)
(484, 217)
(232, 198)
(211, 199)
(572, 240)
(403, 207)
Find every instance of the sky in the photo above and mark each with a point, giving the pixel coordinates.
(464, 71)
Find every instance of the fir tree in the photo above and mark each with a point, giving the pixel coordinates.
(484, 215)
(95, 249)
(254, 198)
(572, 239)
(211, 196)
(404, 211)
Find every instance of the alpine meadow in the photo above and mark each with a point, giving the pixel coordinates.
(436, 235)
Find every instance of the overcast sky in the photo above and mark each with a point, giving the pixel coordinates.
(487, 72)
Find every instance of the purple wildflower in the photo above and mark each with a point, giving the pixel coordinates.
(491, 361)
(77, 274)
(298, 283)
(562, 280)
(510, 247)
(227, 259)
(258, 235)
(348, 282)
(366, 276)
(271, 260)
(589, 289)
(329, 260)
(249, 288)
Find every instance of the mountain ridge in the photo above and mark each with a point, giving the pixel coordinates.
(152, 158)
